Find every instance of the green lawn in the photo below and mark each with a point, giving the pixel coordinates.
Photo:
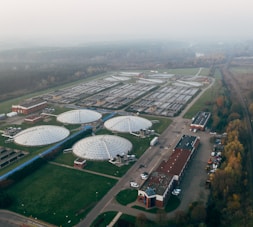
(186, 71)
(57, 194)
(104, 219)
(127, 196)
(172, 204)
(205, 102)
(162, 124)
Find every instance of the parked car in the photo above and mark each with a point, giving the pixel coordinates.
(134, 184)
(176, 191)
(144, 176)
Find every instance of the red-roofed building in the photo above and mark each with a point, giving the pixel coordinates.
(30, 106)
(157, 188)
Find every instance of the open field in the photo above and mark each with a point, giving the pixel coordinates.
(57, 194)
(202, 104)
(188, 71)
(243, 76)
(242, 69)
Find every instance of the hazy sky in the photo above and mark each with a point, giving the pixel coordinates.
(83, 21)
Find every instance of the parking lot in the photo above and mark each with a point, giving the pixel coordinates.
(193, 183)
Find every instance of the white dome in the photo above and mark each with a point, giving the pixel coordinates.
(102, 147)
(79, 116)
(127, 124)
(41, 135)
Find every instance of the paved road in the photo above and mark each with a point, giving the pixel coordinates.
(11, 219)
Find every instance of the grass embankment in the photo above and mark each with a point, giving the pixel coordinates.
(58, 195)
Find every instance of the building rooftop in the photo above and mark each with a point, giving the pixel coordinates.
(161, 178)
(186, 142)
(32, 102)
(201, 118)
(174, 165)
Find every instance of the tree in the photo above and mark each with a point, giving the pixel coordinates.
(251, 109)
(220, 101)
(198, 214)
(181, 218)
(141, 220)
(233, 116)
(161, 217)
(216, 121)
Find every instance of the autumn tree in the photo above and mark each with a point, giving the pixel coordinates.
(251, 109)
(198, 213)
(161, 218)
(181, 218)
(220, 101)
(141, 220)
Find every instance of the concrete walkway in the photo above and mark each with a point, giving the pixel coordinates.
(115, 219)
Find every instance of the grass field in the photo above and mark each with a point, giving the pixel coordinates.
(242, 69)
(58, 195)
(126, 196)
(188, 71)
(104, 219)
(209, 96)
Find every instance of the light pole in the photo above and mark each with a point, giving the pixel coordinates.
(96, 197)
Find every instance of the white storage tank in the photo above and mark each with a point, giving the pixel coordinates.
(12, 114)
(154, 141)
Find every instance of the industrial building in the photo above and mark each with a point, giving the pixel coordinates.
(199, 122)
(30, 106)
(79, 163)
(156, 190)
(9, 156)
